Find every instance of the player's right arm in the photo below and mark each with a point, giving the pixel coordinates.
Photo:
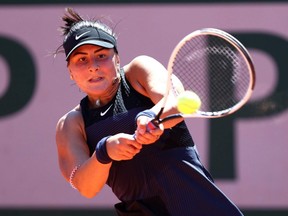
(73, 152)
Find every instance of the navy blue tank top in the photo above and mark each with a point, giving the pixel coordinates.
(165, 178)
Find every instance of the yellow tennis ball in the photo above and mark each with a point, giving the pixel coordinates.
(188, 102)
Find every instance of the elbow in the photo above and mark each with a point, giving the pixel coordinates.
(89, 191)
(89, 194)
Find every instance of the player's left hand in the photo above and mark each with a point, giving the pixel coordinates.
(144, 136)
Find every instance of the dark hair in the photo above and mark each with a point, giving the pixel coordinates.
(70, 18)
(73, 21)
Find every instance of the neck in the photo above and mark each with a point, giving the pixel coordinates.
(106, 97)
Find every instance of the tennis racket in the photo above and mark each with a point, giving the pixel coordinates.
(214, 65)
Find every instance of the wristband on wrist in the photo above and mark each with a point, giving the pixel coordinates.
(101, 151)
(149, 113)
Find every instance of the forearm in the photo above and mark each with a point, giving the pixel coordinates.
(169, 109)
(90, 177)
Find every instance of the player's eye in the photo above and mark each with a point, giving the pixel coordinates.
(82, 59)
(101, 56)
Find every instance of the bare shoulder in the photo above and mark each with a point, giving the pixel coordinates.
(71, 122)
(142, 64)
(144, 72)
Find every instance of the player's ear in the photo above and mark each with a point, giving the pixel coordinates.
(118, 63)
(117, 59)
(71, 76)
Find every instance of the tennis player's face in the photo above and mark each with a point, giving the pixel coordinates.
(93, 68)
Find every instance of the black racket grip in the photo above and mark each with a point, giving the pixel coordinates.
(152, 125)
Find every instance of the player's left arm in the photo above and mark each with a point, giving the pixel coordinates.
(149, 77)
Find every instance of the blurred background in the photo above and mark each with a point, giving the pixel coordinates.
(246, 153)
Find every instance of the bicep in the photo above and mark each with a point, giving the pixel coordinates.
(71, 145)
(152, 77)
(148, 76)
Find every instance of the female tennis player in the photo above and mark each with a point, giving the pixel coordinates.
(103, 140)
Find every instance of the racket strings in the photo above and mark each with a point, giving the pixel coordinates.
(215, 70)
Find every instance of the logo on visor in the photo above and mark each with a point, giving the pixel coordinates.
(77, 37)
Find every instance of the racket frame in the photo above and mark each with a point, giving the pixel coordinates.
(200, 114)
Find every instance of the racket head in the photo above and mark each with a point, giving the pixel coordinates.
(217, 67)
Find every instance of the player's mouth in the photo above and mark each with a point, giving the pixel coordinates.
(95, 79)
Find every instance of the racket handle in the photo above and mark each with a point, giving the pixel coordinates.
(152, 125)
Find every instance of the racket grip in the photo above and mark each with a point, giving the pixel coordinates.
(152, 125)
